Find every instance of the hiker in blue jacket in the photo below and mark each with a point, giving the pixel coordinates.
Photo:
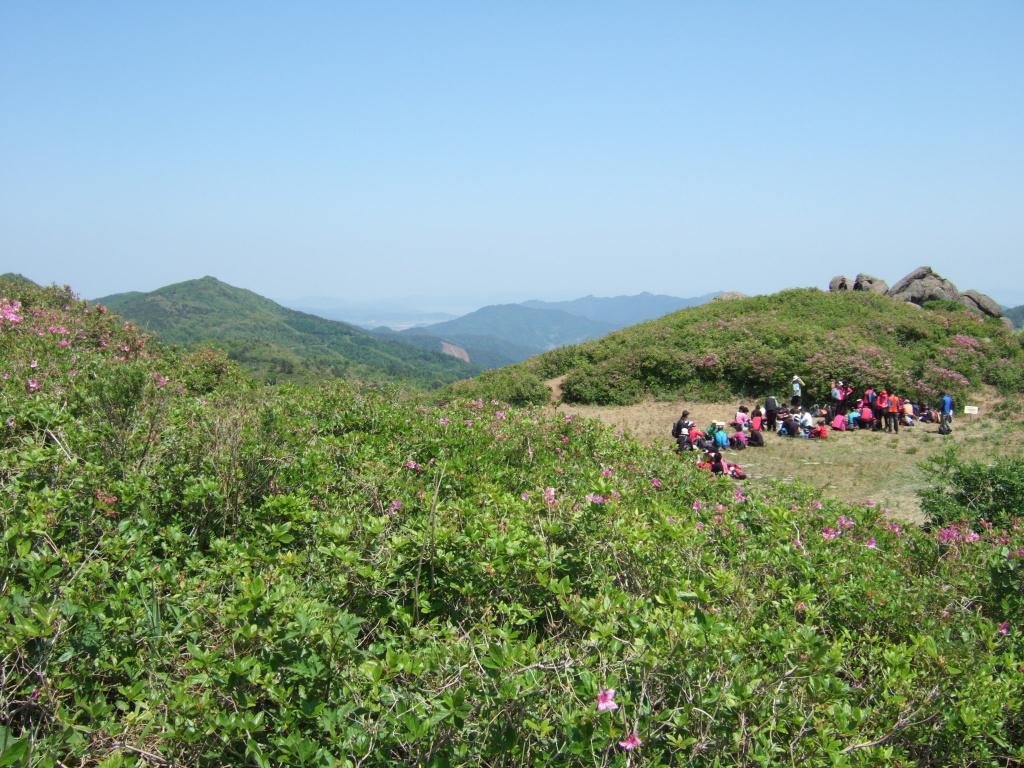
(946, 414)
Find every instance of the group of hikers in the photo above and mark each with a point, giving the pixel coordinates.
(875, 410)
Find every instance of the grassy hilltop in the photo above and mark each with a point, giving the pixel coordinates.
(196, 569)
(753, 346)
(281, 344)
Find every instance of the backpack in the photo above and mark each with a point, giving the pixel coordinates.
(721, 439)
(771, 404)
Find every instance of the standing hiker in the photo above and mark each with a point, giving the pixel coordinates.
(771, 412)
(946, 414)
(796, 384)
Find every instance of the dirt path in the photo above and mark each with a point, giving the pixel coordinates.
(854, 466)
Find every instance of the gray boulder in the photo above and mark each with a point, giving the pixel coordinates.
(1008, 324)
(838, 283)
(728, 295)
(870, 284)
(970, 303)
(924, 285)
(986, 304)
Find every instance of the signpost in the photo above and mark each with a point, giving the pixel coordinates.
(971, 410)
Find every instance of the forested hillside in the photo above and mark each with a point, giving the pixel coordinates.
(280, 343)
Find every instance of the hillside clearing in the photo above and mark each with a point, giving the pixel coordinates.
(853, 466)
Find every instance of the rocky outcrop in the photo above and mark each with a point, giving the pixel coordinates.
(986, 304)
(923, 285)
(730, 295)
(920, 286)
(870, 284)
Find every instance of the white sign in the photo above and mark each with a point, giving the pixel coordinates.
(972, 409)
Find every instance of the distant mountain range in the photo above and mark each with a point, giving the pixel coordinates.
(621, 311)
(284, 343)
(281, 343)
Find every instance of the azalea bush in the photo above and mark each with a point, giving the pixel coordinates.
(198, 571)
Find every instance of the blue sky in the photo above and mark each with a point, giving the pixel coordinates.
(527, 150)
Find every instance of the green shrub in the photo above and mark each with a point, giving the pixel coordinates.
(971, 491)
(257, 576)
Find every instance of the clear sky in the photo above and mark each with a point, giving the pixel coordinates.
(532, 149)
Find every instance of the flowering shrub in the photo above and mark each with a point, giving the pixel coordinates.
(202, 572)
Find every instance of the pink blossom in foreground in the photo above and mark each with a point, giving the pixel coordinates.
(525, 496)
(816, 504)
(872, 544)
(656, 483)
(631, 742)
(829, 533)
(947, 535)
(444, 421)
(33, 385)
(604, 699)
(697, 506)
(1004, 628)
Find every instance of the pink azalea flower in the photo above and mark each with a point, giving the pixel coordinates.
(656, 483)
(872, 544)
(604, 699)
(607, 473)
(444, 421)
(33, 364)
(631, 742)
(525, 496)
(1004, 628)
(33, 385)
(697, 506)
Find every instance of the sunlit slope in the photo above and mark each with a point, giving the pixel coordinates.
(754, 346)
(262, 333)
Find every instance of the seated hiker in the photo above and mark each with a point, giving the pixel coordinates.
(839, 422)
(805, 420)
(742, 416)
(865, 417)
(757, 419)
(792, 428)
(820, 431)
(739, 440)
(681, 432)
(755, 439)
(908, 414)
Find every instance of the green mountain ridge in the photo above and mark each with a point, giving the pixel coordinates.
(1016, 315)
(274, 341)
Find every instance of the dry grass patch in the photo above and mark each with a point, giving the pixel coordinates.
(856, 466)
